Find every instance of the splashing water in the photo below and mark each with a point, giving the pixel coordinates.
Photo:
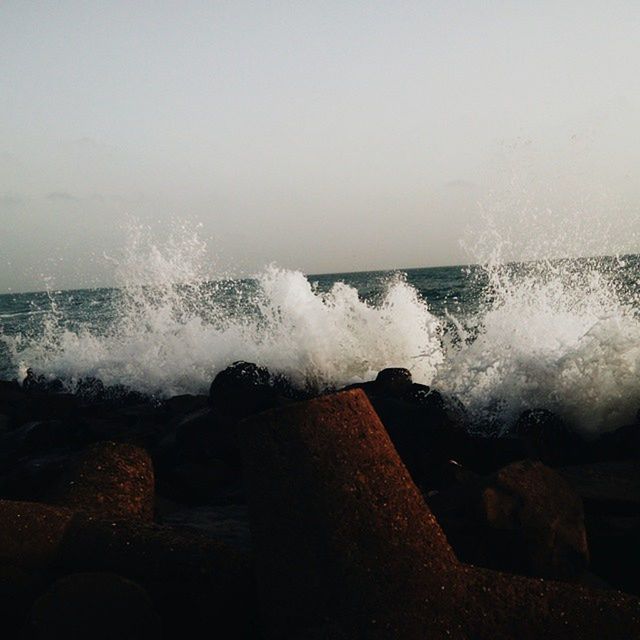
(173, 330)
(561, 334)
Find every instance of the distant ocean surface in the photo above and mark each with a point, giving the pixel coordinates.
(561, 334)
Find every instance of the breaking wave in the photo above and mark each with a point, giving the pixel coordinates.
(561, 334)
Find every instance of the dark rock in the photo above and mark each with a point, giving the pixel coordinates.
(109, 480)
(39, 382)
(20, 406)
(242, 389)
(535, 521)
(41, 436)
(547, 438)
(606, 487)
(524, 519)
(19, 587)
(621, 444)
(195, 582)
(31, 478)
(94, 605)
(615, 552)
(200, 482)
(226, 523)
(205, 435)
(425, 434)
(31, 534)
(393, 382)
(91, 389)
(343, 537)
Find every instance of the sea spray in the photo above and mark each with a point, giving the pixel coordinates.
(560, 334)
(172, 329)
(553, 334)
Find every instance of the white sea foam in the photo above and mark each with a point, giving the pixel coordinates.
(560, 335)
(175, 330)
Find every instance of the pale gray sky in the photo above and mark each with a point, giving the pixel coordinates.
(325, 136)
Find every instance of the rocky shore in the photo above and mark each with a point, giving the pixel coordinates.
(262, 511)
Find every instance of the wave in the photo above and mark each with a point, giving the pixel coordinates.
(563, 335)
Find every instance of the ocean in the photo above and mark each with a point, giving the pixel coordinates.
(502, 338)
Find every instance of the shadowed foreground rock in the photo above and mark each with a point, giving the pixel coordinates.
(344, 541)
(109, 480)
(101, 606)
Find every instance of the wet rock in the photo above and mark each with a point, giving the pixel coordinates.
(19, 587)
(31, 534)
(194, 581)
(40, 436)
(94, 605)
(615, 553)
(21, 407)
(393, 382)
(524, 519)
(607, 487)
(109, 480)
(343, 536)
(547, 438)
(200, 482)
(621, 444)
(226, 523)
(42, 383)
(424, 432)
(204, 435)
(242, 389)
(535, 521)
(31, 478)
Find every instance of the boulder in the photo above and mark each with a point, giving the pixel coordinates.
(31, 534)
(343, 537)
(534, 522)
(100, 606)
(194, 581)
(546, 437)
(242, 389)
(607, 487)
(110, 481)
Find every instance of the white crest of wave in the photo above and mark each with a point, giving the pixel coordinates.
(556, 335)
(175, 329)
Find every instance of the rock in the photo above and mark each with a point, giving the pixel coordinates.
(94, 605)
(194, 581)
(31, 478)
(242, 389)
(226, 523)
(621, 444)
(109, 481)
(39, 382)
(342, 536)
(607, 487)
(547, 438)
(200, 482)
(524, 519)
(42, 436)
(424, 433)
(393, 382)
(615, 552)
(31, 534)
(535, 522)
(203, 436)
(23, 407)
(19, 587)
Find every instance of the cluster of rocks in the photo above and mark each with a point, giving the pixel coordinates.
(263, 511)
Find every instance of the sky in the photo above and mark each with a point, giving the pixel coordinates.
(323, 136)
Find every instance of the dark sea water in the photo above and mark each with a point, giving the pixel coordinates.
(561, 334)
